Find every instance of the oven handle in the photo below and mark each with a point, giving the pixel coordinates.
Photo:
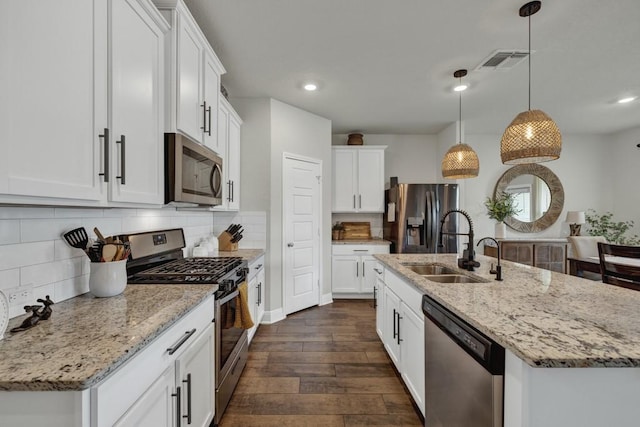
(227, 298)
(182, 340)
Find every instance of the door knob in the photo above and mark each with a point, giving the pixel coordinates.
(290, 245)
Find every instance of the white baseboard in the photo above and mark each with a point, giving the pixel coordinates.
(352, 295)
(326, 299)
(273, 316)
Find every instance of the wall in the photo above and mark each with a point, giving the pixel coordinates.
(625, 173)
(270, 129)
(34, 257)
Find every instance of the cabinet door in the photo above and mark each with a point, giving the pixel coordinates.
(155, 408)
(252, 301)
(518, 252)
(137, 56)
(196, 378)
(190, 114)
(551, 256)
(233, 163)
(368, 264)
(390, 329)
(223, 141)
(51, 116)
(344, 180)
(370, 181)
(380, 323)
(211, 98)
(261, 295)
(412, 353)
(345, 273)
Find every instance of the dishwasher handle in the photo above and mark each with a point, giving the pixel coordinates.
(483, 349)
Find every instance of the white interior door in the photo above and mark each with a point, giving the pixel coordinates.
(301, 232)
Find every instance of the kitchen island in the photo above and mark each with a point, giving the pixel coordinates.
(572, 345)
(95, 359)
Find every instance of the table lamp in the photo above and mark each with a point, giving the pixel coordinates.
(575, 219)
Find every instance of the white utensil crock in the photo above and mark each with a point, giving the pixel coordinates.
(108, 279)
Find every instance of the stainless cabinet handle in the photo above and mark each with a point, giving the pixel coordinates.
(122, 160)
(188, 382)
(178, 397)
(209, 112)
(362, 268)
(360, 201)
(181, 341)
(361, 250)
(375, 297)
(233, 190)
(260, 293)
(229, 192)
(399, 318)
(354, 201)
(357, 269)
(204, 117)
(377, 271)
(290, 245)
(105, 137)
(258, 267)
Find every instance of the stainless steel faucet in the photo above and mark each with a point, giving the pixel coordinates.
(498, 270)
(467, 262)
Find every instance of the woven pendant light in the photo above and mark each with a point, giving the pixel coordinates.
(460, 161)
(532, 137)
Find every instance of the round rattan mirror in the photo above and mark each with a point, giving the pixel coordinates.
(539, 195)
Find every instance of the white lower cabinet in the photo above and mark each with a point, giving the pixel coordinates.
(256, 293)
(142, 392)
(378, 296)
(352, 268)
(403, 333)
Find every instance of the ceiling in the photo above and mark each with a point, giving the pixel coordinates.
(386, 66)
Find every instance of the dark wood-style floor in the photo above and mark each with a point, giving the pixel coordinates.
(324, 366)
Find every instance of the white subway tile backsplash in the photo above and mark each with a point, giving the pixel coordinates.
(107, 226)
(78, 213)
(38, 230)
(118, 213)
(145, 223)
(70, 288)
(62, 250)
(9, 231)
(23, 254)
(41, 274)
(10, 212)
(9, 278)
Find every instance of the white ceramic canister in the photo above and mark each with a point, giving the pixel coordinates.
(108, 279)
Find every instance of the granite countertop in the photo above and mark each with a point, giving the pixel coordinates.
(87, 338)
(545, 318)
(246, 254)
(373, 241)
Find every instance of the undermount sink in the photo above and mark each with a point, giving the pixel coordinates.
(441, 274)
(451, 278)
(430, 269)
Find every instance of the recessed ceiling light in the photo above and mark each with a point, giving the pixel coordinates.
(627, 99)
(310, 87)
(460, 88)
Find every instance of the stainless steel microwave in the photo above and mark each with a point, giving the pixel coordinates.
(193, 172)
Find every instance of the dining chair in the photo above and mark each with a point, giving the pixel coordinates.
(585, 246)
(620, 265)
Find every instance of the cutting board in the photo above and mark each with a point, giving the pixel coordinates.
(357, 230)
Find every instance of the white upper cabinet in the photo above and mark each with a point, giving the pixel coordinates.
(229, 124)
(137, 114)
(193, 77)
(53, 81)
(358, 179)
(63, 126)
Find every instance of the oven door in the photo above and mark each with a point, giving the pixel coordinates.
(193, 172)
(229, 338)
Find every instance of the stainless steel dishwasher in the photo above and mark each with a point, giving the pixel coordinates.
(463, 373)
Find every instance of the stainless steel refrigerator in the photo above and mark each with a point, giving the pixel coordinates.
(412, 217)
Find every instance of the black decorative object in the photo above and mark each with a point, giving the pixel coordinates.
(36, 314)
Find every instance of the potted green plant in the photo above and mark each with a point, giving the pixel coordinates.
(613, 231)
(499, 208)
(337, 231)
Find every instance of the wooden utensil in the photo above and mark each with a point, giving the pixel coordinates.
(119, 253)
(109, 252)
(99, 234)
(77, 238)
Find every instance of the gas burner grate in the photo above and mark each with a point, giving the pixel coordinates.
(189, 270)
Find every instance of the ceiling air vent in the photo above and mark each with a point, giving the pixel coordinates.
(502, 60)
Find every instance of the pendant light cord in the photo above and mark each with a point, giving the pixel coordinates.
(529, 62)
(460, 112)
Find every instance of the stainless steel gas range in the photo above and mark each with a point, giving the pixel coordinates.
(157, 258)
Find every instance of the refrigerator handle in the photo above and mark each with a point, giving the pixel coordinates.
(429, 221)
(433, 225)
(436, 218)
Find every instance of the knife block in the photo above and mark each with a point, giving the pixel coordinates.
(225, 244)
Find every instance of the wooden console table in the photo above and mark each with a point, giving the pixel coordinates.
(550, 254)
